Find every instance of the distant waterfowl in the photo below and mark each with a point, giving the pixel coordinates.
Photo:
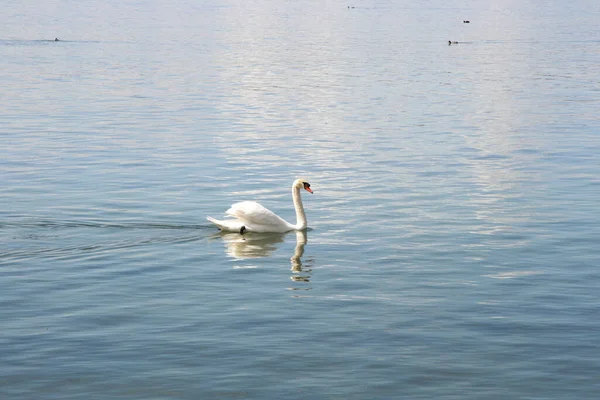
(451, 42)
(466, 22)
(56, 40)
(250, 216)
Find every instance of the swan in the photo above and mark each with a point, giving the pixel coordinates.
(249, 216)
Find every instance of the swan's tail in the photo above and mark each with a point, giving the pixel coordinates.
(230, 225)
(216, 222)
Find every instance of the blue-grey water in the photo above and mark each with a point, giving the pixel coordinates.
(455, 225)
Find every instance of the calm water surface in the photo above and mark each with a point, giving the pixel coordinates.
(453, 250)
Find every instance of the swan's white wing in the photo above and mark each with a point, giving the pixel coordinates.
(258, 218)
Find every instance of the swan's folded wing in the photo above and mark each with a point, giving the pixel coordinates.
(252, 213)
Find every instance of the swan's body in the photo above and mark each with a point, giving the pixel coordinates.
(249, 216)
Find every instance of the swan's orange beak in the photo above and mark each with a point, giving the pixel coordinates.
(307, 187)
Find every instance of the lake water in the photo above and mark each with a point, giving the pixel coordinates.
(453, 243)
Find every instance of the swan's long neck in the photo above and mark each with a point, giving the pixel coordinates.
(300, 215)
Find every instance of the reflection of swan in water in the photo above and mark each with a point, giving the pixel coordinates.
(298, 251)
(296, 261)
(258, 245)
(251, 245)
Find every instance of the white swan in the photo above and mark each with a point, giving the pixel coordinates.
(250, 216)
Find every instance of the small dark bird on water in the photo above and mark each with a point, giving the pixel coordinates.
(56, 40)
(450, 42)
(466, 22)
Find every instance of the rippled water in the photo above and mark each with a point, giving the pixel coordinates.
(453, 250)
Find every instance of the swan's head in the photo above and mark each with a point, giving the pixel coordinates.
(302, 184)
